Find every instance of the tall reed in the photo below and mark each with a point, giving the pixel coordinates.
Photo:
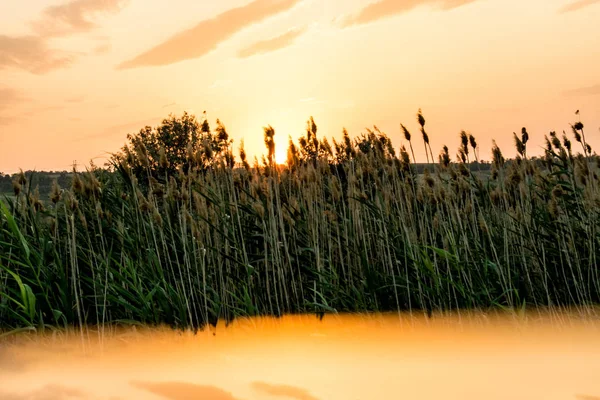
(351, 227)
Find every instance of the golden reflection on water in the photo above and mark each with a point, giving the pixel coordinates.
(462, 356)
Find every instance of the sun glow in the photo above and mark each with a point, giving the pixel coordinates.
(280, 154)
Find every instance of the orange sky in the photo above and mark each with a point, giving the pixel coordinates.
(77, 75)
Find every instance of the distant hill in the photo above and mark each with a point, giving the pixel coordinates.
(41, 179)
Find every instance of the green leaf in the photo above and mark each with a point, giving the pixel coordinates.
(58, 315)
(15, 229)
(23, 291)
(31, 300)
(442, 253)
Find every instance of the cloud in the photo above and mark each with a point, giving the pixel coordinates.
(120, 129)
(4, 121)
(388, 8)
(76, 16)
(578, 5)
(40, 110)
(102, 49)
(31, 53)
(8, 97)
(184, 391)
(50, 392)
(76, 99)
(291, 392)
(273, 44)
(584, 91)
(207, 35)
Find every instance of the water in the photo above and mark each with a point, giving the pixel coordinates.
(477, 356)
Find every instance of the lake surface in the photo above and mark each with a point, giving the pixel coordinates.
(461, 356)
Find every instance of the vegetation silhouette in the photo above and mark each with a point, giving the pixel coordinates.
(176, 232)
(176, 144)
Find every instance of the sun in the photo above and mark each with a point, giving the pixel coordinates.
(280, 154)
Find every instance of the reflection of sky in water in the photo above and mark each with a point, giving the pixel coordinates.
(555, 356)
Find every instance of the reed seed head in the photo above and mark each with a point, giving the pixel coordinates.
(421, 119)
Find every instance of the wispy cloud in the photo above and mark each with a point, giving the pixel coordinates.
(41, 110)
(6, 118)
(207, 35)
(388, 8)
(31, 53)
(50, 392)
(290, 392)
(76, 16)
(76, 99)
(273, 44)
(584, 91)
(8, 97)
(578, 5)
(181, 391)
(102, 49)
(120, 129)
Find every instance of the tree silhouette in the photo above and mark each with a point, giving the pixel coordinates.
(177, 143)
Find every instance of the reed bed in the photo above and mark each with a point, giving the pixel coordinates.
(351, 226)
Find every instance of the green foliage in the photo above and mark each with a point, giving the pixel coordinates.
(176, 144)
(353, 227)
(42, 181)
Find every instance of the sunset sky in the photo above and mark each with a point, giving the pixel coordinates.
(76, 76)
